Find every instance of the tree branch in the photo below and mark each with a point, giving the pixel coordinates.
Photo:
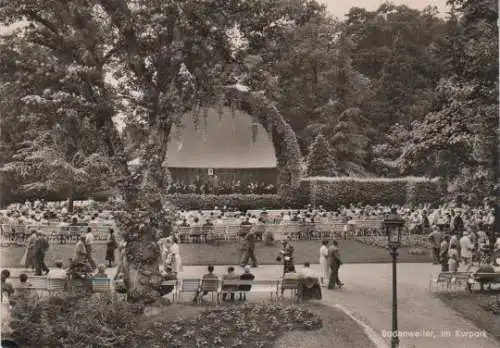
(35, 17)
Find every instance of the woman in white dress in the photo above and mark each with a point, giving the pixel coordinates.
(174, 249)
(323, 262)
(165, 244)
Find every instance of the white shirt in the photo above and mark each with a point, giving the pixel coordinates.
(57, 273)
(466, 247)
(89, 238)
(323, 253)
(307, 272)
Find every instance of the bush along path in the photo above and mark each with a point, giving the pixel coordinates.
(80, 322)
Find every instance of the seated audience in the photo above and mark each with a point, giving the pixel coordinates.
(6, 287)
(290, 275)
(229, 288)
(101, 271)
(307, 272)
(210, 276)
(58, 272)
(23, 290)
(247, 275)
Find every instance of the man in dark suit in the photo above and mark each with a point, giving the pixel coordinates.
(41, 247)
(248, 249)
(247, 275)
(335, 263)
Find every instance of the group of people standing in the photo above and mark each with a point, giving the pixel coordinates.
(37, 246)
(330, 262)
(471, 245)
(170, 254)
(84, 250)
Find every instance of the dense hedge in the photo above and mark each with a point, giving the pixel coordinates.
(240, 201)
(328, 192)
(333, 192)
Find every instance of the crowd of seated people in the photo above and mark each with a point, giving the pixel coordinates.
(222, 187)
(418, 220)
(18, 220)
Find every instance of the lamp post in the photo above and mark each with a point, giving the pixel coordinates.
(393, 225)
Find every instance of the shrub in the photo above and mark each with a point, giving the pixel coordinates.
(98, 322)
(320, 161)
(335, 191)
(240, 201)
(420, 192)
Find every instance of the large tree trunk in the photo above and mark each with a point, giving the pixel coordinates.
(142, 225)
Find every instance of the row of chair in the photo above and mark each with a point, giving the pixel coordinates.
(55, 233)
(305, 231)
(43, 285)
(217, 288)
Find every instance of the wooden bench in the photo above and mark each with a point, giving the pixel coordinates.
(175, 289)
(450, 280)
(188, 285)
(290, 284)
(263, 286)
(56, 285)
(101, 285)
(483, 279)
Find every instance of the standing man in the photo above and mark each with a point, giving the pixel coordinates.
(41, 247)
(443, 254)
(435, 237)
(335, 263)
(248, 249)
(466, 250)
(89, 241)
(458, 224)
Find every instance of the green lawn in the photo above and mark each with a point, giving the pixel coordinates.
(338, 330)
(228, 254)
(472, 307)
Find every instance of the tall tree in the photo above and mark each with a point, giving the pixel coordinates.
(461, 133)
(392, 46)
(165, 58)
(320, 161)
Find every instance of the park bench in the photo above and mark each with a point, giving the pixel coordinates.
(175, 287)
(482, 279)
(451, 281)
(212, 287)
(291, 285)
(56, 285)
(101, 285)
(262, 286)
(188, 285)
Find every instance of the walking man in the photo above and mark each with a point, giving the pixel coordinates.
(41, 247)
(436, 238)
(335, 263)
(248, 249)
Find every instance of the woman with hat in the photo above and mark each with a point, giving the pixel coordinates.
(111, 246)
(286, 253)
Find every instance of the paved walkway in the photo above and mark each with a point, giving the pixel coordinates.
(367, 295)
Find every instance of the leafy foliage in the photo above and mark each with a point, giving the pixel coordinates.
(320, 161)
(348, 190)
(97, 321)
(459, 139)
